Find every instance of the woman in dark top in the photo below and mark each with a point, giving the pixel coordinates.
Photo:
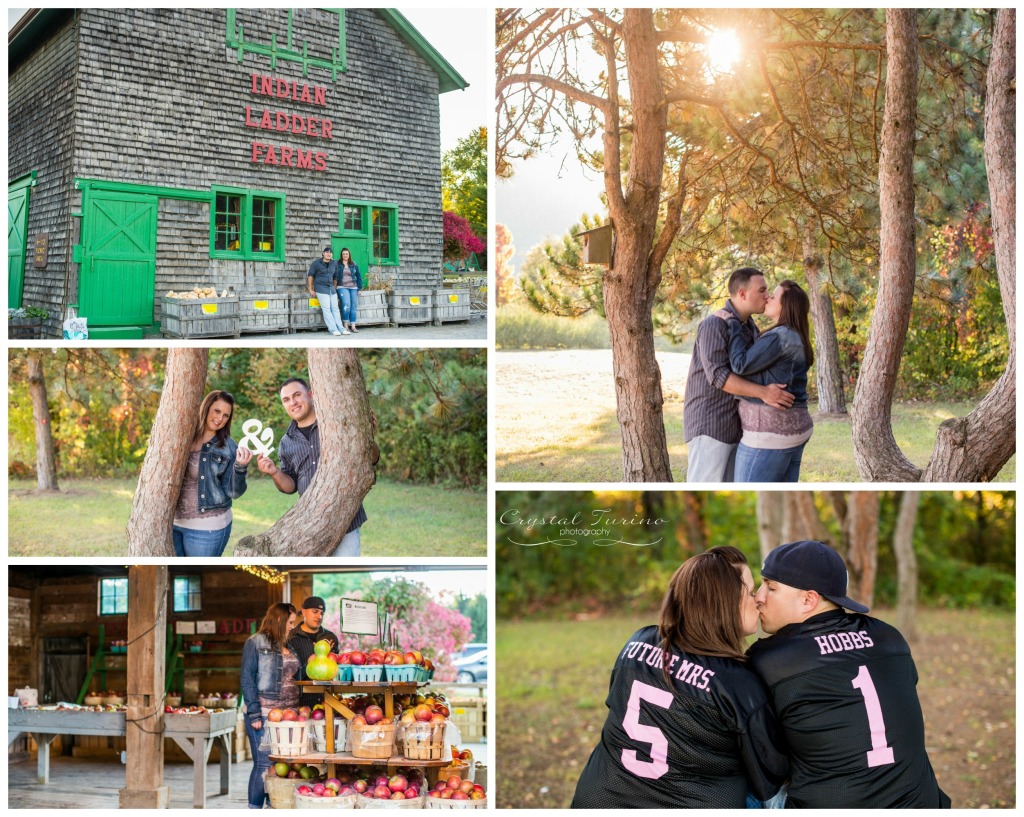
(214, 476)
(269, 673)
(773, 439)
(689, 725)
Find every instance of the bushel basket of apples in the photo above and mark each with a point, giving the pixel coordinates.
(331, 793)
(283, 778)
(287, 732)
(318, 731)
(423, 740)
(456, 793)
(372, 735)
(402, 790)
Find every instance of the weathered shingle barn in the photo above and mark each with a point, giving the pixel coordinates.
(155, 150)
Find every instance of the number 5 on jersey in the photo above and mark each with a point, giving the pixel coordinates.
(658, 764)
(881, 753)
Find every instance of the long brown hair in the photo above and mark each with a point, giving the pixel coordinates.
(795, 307)
(701, 610)
(222, 434)
(275, 623)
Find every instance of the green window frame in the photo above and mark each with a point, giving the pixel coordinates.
(188, 594)
(247, 224)
(377, 223)
(113, 596)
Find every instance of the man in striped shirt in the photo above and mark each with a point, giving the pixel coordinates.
(299, 450)
(711, 421)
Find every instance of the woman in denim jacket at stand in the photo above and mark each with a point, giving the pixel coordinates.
(773, 439)
(349, 284)
(214, 476)
(269, 672)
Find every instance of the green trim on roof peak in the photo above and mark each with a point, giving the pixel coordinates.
(448, 78)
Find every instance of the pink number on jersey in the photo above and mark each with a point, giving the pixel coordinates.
(880, 754)
(658, 764)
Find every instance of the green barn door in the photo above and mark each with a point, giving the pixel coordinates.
(17, 226)
(117, 280)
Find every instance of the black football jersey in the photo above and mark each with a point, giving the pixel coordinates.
(844, 686)
(703, 739)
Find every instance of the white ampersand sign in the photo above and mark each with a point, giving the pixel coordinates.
(261, 445)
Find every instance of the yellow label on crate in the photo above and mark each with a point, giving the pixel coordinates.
(261, 304)
(414, 300)
(209, 309)
(314, 303)
(453, 299)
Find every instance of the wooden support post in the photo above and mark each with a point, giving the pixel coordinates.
(144, 743)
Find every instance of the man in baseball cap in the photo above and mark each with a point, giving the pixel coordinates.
(844, 687)
(302, 638)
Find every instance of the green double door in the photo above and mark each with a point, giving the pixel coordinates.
(359, 247)
(117, 277)
(17, 227)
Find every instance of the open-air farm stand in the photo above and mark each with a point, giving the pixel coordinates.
(135, 672)
(157, 151)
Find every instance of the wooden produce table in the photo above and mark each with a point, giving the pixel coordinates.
(334, 706)
(195, 734)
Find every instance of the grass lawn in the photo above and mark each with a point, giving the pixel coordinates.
(88, 518)
(552, 679)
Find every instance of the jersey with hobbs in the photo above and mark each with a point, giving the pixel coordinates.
(844, 687)
(704, 737)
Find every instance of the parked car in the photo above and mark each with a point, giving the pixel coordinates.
(468, 650)
(472, 668)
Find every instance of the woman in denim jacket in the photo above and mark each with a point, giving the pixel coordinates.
(773, 439)
(269, 672)
(214, 476)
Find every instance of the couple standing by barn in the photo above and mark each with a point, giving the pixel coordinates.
(327, 276)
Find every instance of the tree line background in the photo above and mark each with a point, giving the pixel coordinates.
(963, 543)
(430, 407)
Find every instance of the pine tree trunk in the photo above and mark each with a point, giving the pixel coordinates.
(631, 284)
(861, 531)
(829, 373)
(906, 565)
(316, 523)
(690, 529)
(875, 450)
(163, 469)
(974, 448)
(46, 461)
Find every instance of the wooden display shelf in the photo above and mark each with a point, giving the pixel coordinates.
(335, 759)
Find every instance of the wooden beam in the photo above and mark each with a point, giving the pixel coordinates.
(144, 732)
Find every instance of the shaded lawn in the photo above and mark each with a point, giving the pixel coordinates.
(552, 679)
(88, 518)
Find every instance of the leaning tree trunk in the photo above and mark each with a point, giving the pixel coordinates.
(875, 450)
(831, 399)
(316, 523)
(631, 284)
(163, 469)
(46, 461)
(974, 448)
(906, 565)
(861, 534)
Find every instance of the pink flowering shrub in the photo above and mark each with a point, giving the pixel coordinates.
(459, 239)
(419, 623)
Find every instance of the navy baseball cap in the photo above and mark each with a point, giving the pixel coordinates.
(810, 565)
(314, 603)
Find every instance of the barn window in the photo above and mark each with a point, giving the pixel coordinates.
(188, 594)
(247, 225)
(370, 231)
(114, 596)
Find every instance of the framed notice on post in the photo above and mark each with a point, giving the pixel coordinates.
(359, 617)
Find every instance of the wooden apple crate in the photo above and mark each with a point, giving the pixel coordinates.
(305, 313)
(450, 304)
(194, 318)
(470, 716)
(264, 312)
(413, 306)
(372, 308)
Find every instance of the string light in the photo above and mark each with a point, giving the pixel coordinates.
(265, 572)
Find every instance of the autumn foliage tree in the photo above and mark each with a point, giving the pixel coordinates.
(459, 239)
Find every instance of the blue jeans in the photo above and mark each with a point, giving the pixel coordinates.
(768, 464)
(349, 544)
(200, 542)
(260, 764)
(710, 460)
(329, 306)
(349, 297)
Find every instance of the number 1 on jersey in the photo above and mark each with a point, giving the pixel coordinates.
(658, 764)
(881, 752)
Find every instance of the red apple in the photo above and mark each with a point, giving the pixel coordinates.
(459, 795)
(318, 715)
(374, 714)
(382, 780)
(304, 789)
(410, 658)
(357, 657)
(382, 793)
(478, 787)
(275, 715)
(358, 720)
(453, 782)
(398, 783)
(360, 786)
(446, 793)
(466, 787)
(397, 795)
(412, 792)
(437, 718)
(434, 793)
(329, 792)
(422, 713)
(477, 795)
(305, 711)
(289, 715)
